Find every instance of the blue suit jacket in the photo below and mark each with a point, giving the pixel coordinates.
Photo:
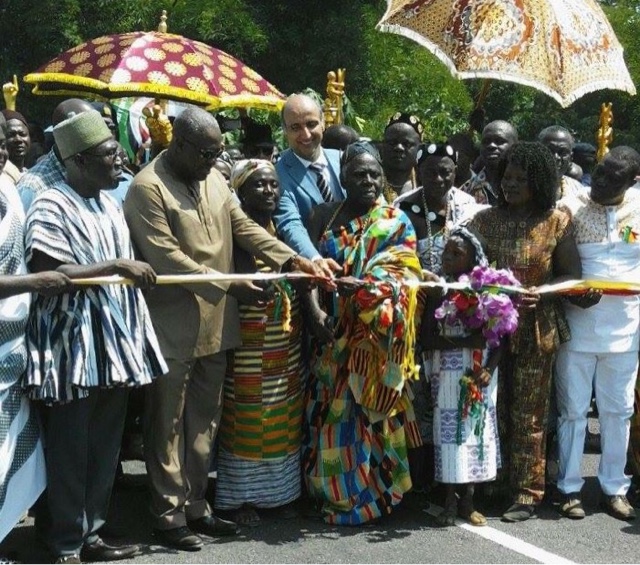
(298, 195)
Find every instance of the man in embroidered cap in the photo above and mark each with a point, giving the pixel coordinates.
(50, 169)
(87, 348)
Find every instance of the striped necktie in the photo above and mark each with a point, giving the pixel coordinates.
(321, 181)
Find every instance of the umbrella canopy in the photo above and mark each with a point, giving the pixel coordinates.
(155, 64)
(563, 48)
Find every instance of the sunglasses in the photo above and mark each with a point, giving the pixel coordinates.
(206, 154)
(110, 154)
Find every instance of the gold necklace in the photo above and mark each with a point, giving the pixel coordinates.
(334, 216)
(390, 191)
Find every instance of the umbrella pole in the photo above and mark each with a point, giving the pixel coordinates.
(484, 91)
(476, 118)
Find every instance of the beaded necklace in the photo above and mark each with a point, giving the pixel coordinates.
(429, 217)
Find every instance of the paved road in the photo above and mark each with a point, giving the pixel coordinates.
(409, 536)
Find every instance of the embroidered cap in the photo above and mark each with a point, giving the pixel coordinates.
(80, 132)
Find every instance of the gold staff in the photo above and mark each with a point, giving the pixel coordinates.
(10, 92)
(332, 107)
(605, 131)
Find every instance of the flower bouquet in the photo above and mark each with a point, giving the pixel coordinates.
(485, 305)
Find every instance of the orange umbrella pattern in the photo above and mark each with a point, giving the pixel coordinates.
(565, 48)
(156, 64)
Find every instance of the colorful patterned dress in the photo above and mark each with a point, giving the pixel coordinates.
(359, 416)
(261, 427)
(527, 247)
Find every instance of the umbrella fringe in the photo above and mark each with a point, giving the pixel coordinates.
(130, 89)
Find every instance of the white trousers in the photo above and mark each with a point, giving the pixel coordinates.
(613, 375)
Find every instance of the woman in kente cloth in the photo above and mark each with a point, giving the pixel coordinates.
(527, 233)
(261, 427)
(359, 418)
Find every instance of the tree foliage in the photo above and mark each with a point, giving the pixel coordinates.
(294, 43)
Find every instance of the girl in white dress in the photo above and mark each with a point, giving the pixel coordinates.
(465, 441)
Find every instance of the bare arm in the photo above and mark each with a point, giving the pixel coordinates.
(141, 273)
(47, 283)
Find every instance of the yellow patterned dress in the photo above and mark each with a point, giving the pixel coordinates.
(260, 432)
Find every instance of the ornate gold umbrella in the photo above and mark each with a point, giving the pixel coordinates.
(565, 48)
(155, 64)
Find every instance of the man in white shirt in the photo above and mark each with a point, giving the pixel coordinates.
(603, 350)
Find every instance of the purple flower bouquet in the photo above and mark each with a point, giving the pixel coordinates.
(485, 305)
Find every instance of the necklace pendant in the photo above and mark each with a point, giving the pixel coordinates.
(431, 216)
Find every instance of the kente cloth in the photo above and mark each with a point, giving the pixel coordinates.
(100, 336)
(475, 459)
(22, 469)
(261, 427)
(359, 418)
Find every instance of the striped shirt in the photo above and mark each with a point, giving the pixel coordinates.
(100, 336)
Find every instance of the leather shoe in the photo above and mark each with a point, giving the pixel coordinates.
(100, 551)
(618, 506)
(73, 558)
(214, 527)
(179, 538)
(519, 513)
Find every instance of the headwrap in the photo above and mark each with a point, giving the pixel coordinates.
(404, 118)
(13, 115)
(80, 132)
(439, 149)
(474, 240)
(358, 148)
(244, 168)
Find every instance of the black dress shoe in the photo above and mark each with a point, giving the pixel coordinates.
(179, 538)
(73, 558)
(100, 551)
(214, 526)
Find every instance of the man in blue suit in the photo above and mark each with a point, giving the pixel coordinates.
(309, 175)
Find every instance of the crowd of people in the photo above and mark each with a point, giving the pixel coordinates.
(336, 392)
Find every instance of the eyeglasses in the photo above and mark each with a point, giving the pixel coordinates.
(206, 154)
(111, 154)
